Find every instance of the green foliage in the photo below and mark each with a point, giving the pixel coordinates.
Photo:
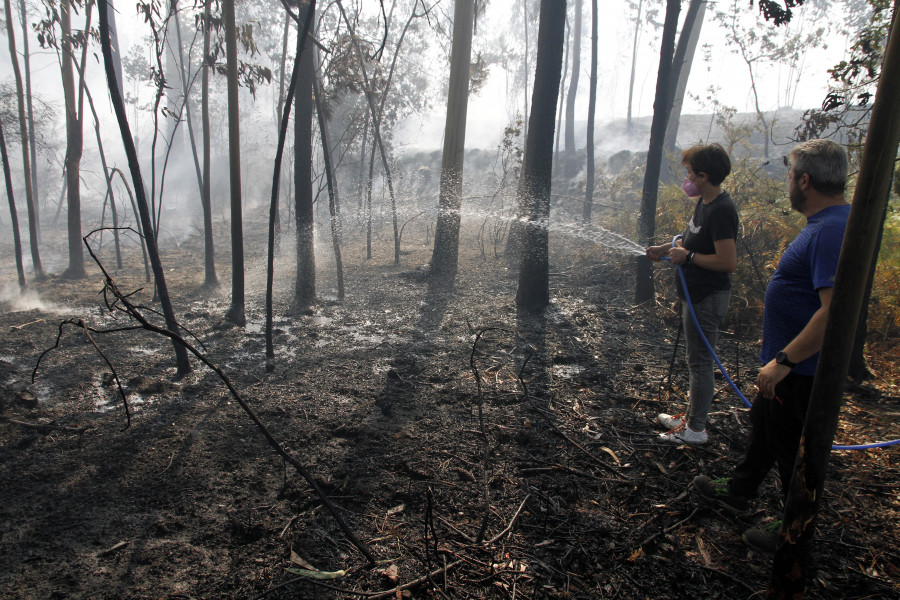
(884, 309)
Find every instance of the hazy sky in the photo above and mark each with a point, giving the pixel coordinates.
(490, 110)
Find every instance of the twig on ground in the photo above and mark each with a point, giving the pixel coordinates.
(27, 425)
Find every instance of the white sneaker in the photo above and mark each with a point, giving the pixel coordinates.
(685, 435)
(670, 421)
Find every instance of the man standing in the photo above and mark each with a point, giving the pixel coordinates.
(796, 309)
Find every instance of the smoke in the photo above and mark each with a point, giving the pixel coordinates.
(13, 300)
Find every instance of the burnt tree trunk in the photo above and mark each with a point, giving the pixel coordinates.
(533, 293)
(446, 233)
(661, 105)
(183, 367)
(791, 567)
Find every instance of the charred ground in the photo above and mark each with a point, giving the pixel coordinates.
(554, 461)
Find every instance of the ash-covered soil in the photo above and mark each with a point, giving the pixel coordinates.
(520, 466)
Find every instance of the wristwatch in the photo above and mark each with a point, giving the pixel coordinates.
(690, 258)
(782, 359)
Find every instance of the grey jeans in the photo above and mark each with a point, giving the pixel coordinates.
(710, 313)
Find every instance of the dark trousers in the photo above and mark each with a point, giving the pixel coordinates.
(776, 427)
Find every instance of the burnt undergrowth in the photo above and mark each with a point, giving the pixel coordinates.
(475, 451)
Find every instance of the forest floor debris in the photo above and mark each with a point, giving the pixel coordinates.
(560, 492)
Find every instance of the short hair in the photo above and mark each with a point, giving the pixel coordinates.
(710, 159)
(824, 161)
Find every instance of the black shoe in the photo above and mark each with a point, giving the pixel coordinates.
(717, 491)
(763, 539)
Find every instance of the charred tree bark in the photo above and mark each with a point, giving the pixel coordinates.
(210, 280)
(32, 142)
(26, 146)
(305, 283)
(859, 368)
(661, 106)
(570, 168)
(74, 148)
(183, 367)
(791, 567)
(446, 233)
(235, 313)
(302, 35)
(332, 187)
(681, 71)
(592, 105)
(533, 293)
(13, 215)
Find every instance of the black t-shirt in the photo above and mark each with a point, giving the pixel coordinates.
(710, 223)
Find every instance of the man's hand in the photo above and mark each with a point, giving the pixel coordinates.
(769, 376)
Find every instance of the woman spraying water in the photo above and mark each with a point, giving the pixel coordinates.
(707, 254)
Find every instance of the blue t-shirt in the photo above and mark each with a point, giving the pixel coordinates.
(808, 264)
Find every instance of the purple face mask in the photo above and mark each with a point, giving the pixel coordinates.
(689, 188)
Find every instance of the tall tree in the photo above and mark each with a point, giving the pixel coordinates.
(684, 59)
(446, 234)
(571, 165)
(209, 252)
(302, 35)
(74, 146)
(376, 131)
(305, 283)
(32, 141)
(182, 365)
(13, 215)
(791, 568)
(26, 146)
(661, 105)
(634, 49)
(534, 185)
(330, 181)
(592, 104)
(235, 313)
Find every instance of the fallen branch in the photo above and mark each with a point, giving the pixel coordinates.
(18, 327)
(370, 595)
(54, 426)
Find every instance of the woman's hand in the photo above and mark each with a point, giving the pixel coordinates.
(655, 253)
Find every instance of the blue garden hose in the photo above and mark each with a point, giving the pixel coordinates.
(712, 352)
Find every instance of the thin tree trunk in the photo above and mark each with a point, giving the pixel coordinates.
(376, 128)
(304, 218)
(661, 106)
(26, 155)
(637, 35)
(571, 166)
(235, 313)
(362, 185)
(684, 59)
(592, 105)
(107, 173)
(74, 145)
(791, 568)
(13, 215)
(446, 233)
(210, 279)
(534, 188)
(32, 142)
(562, 91)
(302, 35)
(332, 188)
(183, 366)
